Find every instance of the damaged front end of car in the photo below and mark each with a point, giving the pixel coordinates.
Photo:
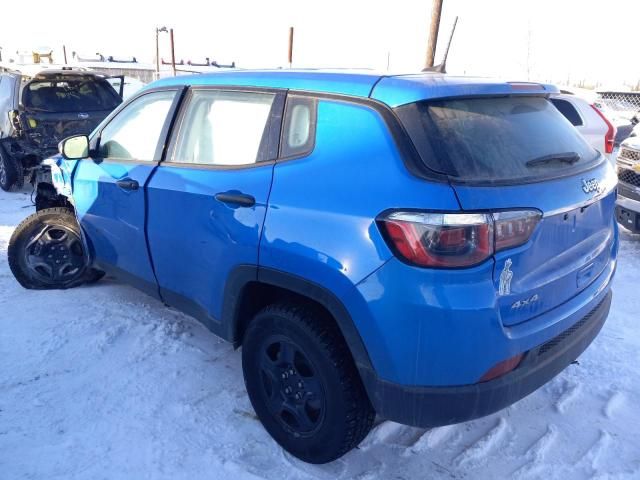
(54, 105)
(52, 182)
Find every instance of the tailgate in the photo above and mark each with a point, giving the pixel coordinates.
(518, 152)
(570, 247)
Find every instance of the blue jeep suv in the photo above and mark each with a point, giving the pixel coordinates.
(425, 247)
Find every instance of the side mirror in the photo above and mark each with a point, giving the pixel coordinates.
(75, 148)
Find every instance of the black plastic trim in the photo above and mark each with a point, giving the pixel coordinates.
(236, 282)
(193, 309)
(436, 406)
(292, 98)
(238, 199)
(328, 300)
(243, 274)
(629, 219)
(149, 288)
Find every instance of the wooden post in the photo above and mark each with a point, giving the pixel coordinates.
(173, 53)
(157, 53)
(436, 11)
(290, 55)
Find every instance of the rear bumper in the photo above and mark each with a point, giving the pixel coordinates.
(436, 406)
(628, 213)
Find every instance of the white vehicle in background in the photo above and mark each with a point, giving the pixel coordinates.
(589, 121)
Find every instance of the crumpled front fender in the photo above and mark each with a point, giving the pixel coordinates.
(61, 174)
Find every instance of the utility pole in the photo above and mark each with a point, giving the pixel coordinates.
(158, 30)
(64, 52)
(173, 53)
(529, 52)
(436, 11)
(290, 53)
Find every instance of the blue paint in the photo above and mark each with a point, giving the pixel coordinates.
(315, 218)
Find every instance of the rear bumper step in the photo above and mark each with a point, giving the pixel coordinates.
(437, 406)
(628, 213)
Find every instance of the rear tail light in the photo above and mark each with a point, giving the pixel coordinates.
(514, 228)
(610, 136)
(449, 240)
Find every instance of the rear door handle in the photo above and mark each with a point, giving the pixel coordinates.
(128, 184)
(237, 199)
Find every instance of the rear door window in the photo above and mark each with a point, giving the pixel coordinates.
(226, 128)
(504, 139)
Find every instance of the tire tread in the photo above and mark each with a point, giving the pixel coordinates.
(360, 415)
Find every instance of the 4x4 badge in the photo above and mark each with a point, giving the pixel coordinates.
(505, 278)
(591, 185)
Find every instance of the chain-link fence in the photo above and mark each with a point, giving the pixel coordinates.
(623, 105)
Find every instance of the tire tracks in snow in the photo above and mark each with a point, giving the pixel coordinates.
(614, 403)
(569, 392)
(485, 444)
(536, 454)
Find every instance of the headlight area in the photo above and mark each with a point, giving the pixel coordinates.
(51, 187)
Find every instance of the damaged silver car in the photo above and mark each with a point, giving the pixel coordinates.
(39, 111)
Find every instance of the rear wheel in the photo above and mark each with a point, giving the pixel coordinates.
(46, 252)
(10, 171)
(303, 384)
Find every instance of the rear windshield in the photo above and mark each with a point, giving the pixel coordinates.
(505, 139)
(61, 96)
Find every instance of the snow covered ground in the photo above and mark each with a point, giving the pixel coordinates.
(104, 382)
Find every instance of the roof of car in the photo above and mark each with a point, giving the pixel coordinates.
(57, 73)
(394, 90)
(39, 71)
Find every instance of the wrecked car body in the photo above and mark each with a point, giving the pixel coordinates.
(40, 111)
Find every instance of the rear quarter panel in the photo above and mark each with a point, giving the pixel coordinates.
(320, 224)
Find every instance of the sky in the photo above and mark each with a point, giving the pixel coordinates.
(562, 41)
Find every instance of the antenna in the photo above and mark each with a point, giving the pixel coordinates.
(442, 67)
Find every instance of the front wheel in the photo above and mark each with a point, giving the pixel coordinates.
(46, 252)
(303, 384)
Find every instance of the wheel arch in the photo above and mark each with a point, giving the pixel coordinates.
(251, 288)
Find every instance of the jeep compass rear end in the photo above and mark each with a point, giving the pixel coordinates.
(491, 301)
(425, 247)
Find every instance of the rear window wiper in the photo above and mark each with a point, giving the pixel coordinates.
(566, 157)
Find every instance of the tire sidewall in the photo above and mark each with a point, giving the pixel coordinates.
(324, 444)
(23, 235)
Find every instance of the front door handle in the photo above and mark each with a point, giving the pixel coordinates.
(237, 199)
(128, 184)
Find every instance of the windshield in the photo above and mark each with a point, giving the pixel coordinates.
(70, 95)
(502, 139)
